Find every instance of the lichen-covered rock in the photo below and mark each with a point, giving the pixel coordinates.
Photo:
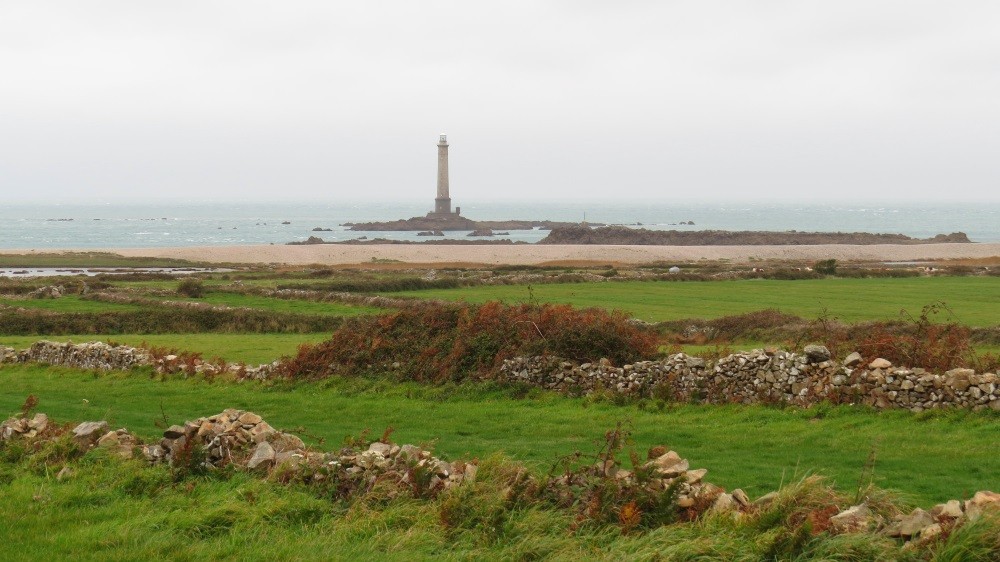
(853, 360)
(7, 354)
(982, 502)
(87, 433)
(816, 353)
(879, 363)
(908, 526)
(262, 455)
(853, 519)
(951, 509)
(121, 442)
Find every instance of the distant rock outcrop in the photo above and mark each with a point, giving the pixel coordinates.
(452, 223)
(621, 235)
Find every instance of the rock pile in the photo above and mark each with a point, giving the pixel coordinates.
(767, 376)
(243, 439)
(918, 524)
(48, 292)
(246, 440)
(27, 428)
(662, 470)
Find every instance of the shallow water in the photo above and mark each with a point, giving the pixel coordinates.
(26, 226)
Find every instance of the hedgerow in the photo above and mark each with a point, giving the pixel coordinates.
(160, 320)
(437, 343)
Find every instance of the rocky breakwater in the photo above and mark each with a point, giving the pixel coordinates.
(766, 376)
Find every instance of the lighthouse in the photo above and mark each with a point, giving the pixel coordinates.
(442, 203)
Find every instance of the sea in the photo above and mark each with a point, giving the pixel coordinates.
(200, 223)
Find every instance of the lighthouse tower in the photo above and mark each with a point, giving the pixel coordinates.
(442, 203)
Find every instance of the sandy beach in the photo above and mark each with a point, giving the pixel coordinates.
(337, 254)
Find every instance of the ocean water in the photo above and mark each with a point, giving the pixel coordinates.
(36, 226)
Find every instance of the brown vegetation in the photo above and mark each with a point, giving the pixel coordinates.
(438, 343)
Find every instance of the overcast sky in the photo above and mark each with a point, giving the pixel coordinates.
(337, 100)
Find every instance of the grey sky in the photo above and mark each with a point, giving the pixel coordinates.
(584, 99)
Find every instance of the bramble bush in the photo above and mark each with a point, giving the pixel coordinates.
(438, 342)
(191, 287)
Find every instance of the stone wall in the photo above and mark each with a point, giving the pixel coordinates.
(107, 357)
(245, 441)
(758, 376)
(766, 377)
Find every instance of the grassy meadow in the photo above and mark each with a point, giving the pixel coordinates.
(928, 457)
(974, 301)
(111, 509)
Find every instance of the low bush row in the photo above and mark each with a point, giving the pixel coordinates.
(438, 342)
(161, 320)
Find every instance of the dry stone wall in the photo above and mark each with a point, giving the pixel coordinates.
(769, 376)
(758, 376)
(243, 439)
(108, 357)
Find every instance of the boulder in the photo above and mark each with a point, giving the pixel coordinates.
(264, 454)
(286, 442)
(39, 422)
(910, 525)
(853, 360)
(741, 498)
(670, 465)
(250, 418)
(959, 379)
(121, 442)
(724, 504)
(381, 448)
(951, 510)
(981, 502)
(880, 363)
(174, 431)
(816, 353)
(87, 433)
(695, 476)
(853, 519)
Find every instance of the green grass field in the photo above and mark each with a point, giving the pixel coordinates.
(127, 511)
(929, 457)
(284, 305)
(975, 301)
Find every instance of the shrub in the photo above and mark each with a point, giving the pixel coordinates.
(826, 267)
(191, 287)
(437, 342)
(925, 344)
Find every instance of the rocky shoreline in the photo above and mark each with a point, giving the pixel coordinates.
(453, 223)
(622, 235)
(577, 234)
